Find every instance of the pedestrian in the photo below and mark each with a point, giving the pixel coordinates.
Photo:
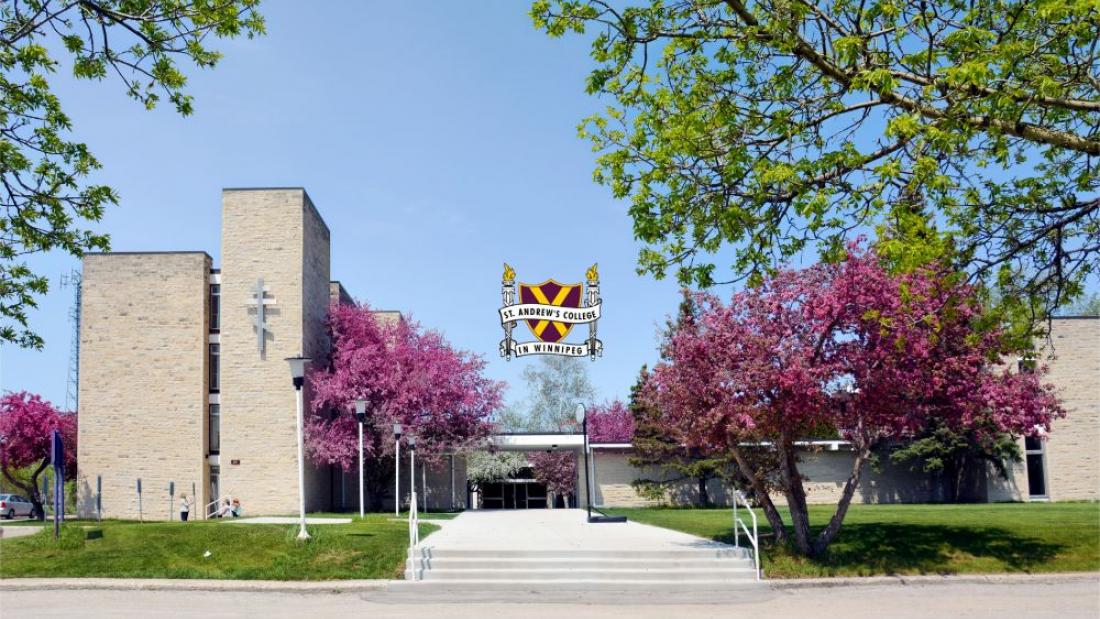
(185, 508)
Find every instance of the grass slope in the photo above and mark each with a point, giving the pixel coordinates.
(920, 539)
(371, 548)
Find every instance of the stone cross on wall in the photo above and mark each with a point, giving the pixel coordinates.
(259, 301)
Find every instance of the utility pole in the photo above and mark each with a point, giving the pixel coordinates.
(72, 383)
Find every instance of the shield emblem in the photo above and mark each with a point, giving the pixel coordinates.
(550, 292)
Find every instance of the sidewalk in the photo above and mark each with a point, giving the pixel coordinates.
(347, 586)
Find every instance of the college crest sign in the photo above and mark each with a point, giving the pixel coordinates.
(550, 311)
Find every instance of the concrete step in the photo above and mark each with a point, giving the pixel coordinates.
(578, 563)
(567, 553)
(564, 565)
(591, 575)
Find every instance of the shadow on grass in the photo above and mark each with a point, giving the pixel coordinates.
(895, 548)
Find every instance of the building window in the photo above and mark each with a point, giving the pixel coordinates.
(215, 428)
(1036, 467)
(215, 367)
(215, 489)
(215, 307)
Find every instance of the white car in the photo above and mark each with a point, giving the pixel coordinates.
(12, 505)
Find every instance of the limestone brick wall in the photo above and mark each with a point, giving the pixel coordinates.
(825, 472)
(143, 381)
(316, 299)
(277, 235)
(612, 479)
(1011, 488)
(338, 295)
(1073, 447)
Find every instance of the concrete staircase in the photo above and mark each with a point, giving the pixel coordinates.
(687, 565)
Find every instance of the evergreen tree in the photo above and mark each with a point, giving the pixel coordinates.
(675, 463)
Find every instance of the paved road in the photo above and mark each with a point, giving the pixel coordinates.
(1035, 600)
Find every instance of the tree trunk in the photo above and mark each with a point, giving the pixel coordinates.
(761, 491)
(32, 489)
(796, 497)
(704, 497)
(830, 531)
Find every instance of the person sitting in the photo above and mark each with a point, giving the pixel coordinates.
(224, 510)
(236, 511)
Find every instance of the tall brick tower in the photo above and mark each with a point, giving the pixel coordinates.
(275, 266)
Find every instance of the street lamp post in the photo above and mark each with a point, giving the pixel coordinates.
(396, 469)
(298, 377)
(582, 418)
(361, 416)
(411, 442)
(414, 517)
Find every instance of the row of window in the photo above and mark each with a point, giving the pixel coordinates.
(215, 375)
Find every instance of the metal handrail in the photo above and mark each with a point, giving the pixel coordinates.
(206, 510)
(754, 538)
(414, 534)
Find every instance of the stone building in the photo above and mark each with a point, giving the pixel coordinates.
(1061, 466)
(183, 382)
(184, 386)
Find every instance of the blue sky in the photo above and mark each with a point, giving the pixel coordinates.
(438, 141)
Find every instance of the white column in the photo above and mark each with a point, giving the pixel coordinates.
(302, 533)
(361, 514)
(397, 477)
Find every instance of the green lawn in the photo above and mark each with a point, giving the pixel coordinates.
(920, 539)
(371, 548)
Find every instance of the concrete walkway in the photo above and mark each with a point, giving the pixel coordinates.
(18, 531)
(555, 529)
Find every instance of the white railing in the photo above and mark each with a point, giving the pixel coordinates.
(414, 535)
(739, 524)
(207, 513)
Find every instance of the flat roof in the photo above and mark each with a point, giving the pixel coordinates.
(147, 253)
(531, 442)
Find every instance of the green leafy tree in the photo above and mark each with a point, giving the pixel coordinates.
(484, 467)
(966, 132)
(47, 197)
(555, 386)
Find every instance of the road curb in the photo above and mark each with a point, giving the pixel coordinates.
(168, 584)
(932, 579)
(353, 586)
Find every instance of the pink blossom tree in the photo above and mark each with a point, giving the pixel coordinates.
(610, 423)
(557, 470)
(407, 375)
(27, 423)
(846, 345)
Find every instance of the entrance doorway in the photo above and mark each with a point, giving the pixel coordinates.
(513, 494)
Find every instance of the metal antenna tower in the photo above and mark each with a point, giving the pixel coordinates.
(72, 384)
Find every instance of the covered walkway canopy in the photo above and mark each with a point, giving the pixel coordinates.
(522, 441)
